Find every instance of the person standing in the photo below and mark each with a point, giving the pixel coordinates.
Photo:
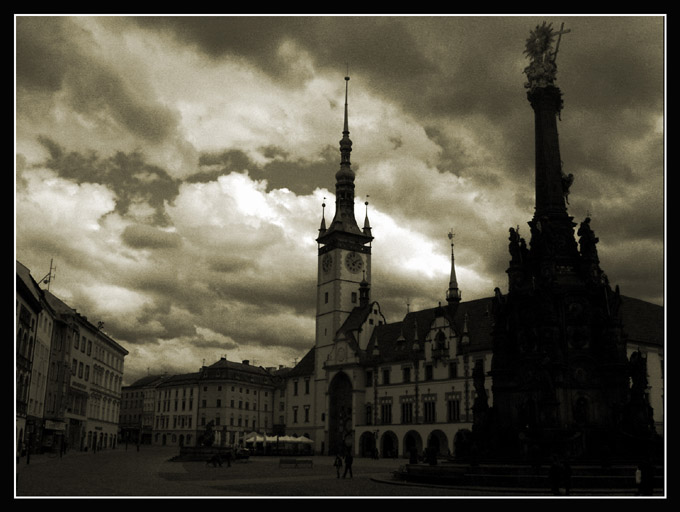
(348, 465)
(566, 477)
(644, 477)
(338, 464)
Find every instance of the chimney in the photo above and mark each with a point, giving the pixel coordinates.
(246, 362)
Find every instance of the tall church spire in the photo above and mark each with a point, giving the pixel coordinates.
(453, 294)
(344, 220)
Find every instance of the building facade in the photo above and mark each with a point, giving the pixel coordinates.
(176, 409)
(225, 401)
(29, 307)
(137, 410)
(69, 374)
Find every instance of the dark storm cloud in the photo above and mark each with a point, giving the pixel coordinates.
(51, 56)
(152, 322)
(126, 174)
(43, 52)
(263, 293)
(202, 342)
(277, 328)
(370, 45)
(251, 37)
(141, 236)
(299, 176)
(443, 134)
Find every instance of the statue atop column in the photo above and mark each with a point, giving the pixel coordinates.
(542, 69)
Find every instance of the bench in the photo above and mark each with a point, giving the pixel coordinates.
(296, 462)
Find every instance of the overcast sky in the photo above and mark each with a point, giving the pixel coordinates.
(174, 168)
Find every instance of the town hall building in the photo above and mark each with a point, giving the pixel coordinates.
(409, 388)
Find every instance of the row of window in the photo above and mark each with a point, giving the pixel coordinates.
(85, 346)
(408, 412)
(163, 422)
(101, 377)
(407, 374)
(185, 422)
(295, 387)
(167, 393)
(306, 414)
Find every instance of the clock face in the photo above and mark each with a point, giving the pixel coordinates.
(353, 262)
(327, 262)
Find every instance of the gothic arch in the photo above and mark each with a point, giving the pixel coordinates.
(340, 415)
(581, 410)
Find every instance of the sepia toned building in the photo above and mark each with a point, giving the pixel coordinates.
(421, 386)
(69, 374)
(228, 399)
(28, 309)
(137, 410)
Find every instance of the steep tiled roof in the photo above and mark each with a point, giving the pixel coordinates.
(304, 367)
(26, 282)
(643, 322)
(241, 367)
(59, 306)
(184, 378)
(395, 341)
(145, 381)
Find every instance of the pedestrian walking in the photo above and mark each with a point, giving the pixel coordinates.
(644, 478)
(348, 465)
(556, 476)
(338, 464)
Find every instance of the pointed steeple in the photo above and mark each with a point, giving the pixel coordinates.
(322, 229)
(367, 225)
(345, 171)
(453, 294)
(343, 220)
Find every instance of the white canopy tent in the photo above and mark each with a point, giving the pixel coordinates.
(278, 443)
(256, 437)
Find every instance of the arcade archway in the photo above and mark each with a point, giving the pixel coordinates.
(413, 444)
(389, 445)
(437, 443)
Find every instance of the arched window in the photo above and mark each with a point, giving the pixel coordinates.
(440, 340)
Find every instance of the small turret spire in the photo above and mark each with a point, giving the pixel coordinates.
(453, 294)
(364, 292)
(322, 229)
(367, 225)
(346, 128)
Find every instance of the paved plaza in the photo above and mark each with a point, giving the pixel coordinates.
(150, 472)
